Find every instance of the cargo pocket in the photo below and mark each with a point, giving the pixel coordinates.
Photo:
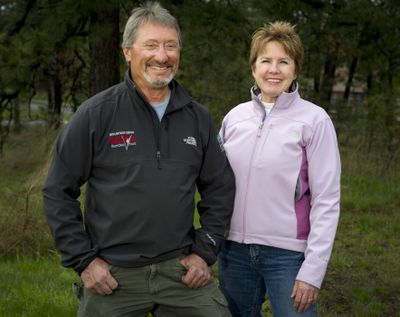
(84, 310)
(77, 288)
(221, 303)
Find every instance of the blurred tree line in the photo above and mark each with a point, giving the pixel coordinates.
(67, 50)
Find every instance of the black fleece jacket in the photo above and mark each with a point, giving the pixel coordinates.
(141, 176)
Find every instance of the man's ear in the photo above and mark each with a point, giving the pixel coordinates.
(127, 54)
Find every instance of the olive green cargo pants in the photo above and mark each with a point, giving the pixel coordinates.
(156, 289)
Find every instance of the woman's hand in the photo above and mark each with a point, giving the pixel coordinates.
(304, 295)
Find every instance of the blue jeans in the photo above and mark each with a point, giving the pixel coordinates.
(248, 271)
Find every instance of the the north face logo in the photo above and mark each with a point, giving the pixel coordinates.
(190, 140)
(122, 139)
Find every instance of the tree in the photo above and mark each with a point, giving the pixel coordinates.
(70, 50)
(214, 66)
(104, 44)
(13, 18)
(49, 37)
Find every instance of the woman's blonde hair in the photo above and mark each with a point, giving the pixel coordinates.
(282, 32)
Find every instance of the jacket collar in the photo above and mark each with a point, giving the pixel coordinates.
(284, 100)
(179, 97)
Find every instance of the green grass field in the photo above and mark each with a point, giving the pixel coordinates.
(363, 277)
(36, 286)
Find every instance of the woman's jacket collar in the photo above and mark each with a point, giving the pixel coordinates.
(283, 101)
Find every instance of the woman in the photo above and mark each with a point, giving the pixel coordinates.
(284, 154)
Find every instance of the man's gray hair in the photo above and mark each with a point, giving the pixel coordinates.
(151, 12)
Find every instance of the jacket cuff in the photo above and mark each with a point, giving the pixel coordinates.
(84, 264)
(205, 246)
(313, 271)
(208, 256)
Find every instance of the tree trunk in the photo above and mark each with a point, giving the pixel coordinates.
(349, 82)
(50, 98)
(328, 75)
(58, 91)
(5, 124)
(327, 83)
(16, 114)
(104, 47)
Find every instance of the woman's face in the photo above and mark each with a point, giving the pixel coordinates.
(273, 71)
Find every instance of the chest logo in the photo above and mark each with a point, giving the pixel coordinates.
(190, 140)
(123, 139)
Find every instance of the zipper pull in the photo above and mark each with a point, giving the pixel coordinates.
(260, 128)
(158, 155)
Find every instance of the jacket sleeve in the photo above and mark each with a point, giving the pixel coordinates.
(324, 181)
(216, 186)
(69, 170)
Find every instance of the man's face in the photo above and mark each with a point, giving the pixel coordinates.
(153, 57)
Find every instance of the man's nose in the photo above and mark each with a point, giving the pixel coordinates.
(161, 54)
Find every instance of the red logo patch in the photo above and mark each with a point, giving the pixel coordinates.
(122, 139)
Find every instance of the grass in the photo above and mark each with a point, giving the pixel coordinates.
(362, 279)
(364, 272)
(22, 167)
(363, 275)
(36, 286)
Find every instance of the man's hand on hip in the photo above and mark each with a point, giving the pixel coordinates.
(98, 279)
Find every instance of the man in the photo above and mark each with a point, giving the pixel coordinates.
(142, 147)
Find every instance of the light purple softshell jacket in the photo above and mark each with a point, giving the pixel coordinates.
(287, 170)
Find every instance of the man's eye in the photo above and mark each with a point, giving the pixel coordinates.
(150, 46)
(171, 46)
